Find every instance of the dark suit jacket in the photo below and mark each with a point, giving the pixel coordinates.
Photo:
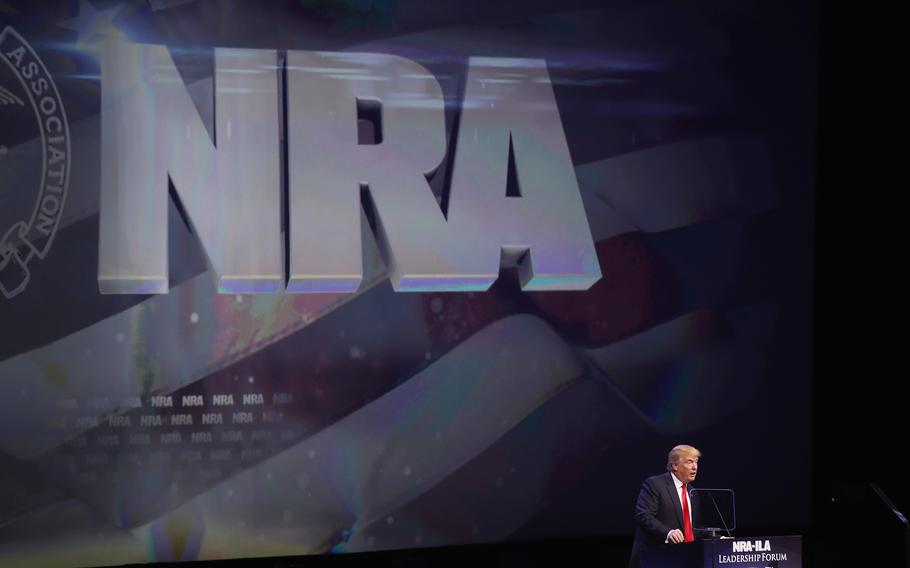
(657, 512)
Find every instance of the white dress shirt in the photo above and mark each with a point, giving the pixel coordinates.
(679, 490)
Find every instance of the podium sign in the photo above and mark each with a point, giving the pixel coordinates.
(758, 552)
(747, 552)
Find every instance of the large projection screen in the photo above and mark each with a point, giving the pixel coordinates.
(285, 278)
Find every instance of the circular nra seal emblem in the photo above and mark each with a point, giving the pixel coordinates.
(34, 161)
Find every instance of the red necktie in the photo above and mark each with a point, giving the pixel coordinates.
(687, 522)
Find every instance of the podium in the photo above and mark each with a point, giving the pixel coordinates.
(746, 552)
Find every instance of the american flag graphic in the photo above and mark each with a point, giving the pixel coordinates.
(197, 425)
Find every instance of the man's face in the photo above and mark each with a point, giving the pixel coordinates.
(686, 468)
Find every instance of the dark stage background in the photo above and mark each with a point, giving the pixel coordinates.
(861, 425)
(380, 421)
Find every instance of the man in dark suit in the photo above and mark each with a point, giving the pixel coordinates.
(665, 512)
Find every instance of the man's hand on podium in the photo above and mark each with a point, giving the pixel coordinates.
(675, 536)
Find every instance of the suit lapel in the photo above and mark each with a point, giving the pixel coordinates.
(674, 498)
